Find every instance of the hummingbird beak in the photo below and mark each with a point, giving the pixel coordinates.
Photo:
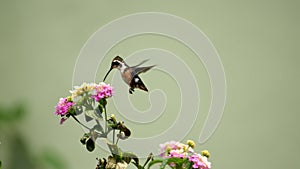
(111, 68)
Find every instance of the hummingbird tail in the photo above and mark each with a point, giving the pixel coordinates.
(143, 87)
(136, 82)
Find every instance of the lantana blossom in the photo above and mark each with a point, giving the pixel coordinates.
(102, 90)
(85, 89)
(175, 149)
(63, 106)
(92, 90)
(166, 147)
(179, 150)
(200, 161)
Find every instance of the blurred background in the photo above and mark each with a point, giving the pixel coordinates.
(258, 43)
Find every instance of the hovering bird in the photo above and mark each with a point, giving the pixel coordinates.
(130, 74)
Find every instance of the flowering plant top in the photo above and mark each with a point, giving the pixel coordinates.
(90, 99)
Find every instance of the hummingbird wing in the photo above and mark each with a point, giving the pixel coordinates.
(138, 70)
(140, 63)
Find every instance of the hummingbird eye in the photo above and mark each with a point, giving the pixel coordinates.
(115, 63)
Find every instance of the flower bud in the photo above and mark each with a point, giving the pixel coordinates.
(69, 98)
(191, 143)
(205, 153)
(84, 138)
(113, 118)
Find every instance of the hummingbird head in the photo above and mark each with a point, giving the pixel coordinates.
(117, 62)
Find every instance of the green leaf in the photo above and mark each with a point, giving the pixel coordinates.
(87, 118)
(99, 111)
(111, 123)
(0, 164)
(164, 163)
(115, 151)
(154, 162)
(127, 157)
(189, 165)
(92, 114)
(150, 157)
(175, 160)
(98, 127)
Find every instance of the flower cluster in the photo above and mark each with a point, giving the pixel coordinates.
(84, 95)
(89, 100)
(63, 106)
(199, 161)
(85, 89)
(92, 90)
(175, 149)
(182, 151)
(102, 91)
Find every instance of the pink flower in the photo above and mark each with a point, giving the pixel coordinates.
(102, 91)
(63, 106)
(199, 161)
(178, 153)
(167, 147)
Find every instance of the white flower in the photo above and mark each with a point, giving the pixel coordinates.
(82, 90)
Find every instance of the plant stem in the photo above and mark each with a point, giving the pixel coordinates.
(80, 123)
(117, 141)
(105, 119)
(118, 138)
(113, 136)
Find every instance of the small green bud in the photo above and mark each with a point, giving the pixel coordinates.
(84, 138)
(205, 153)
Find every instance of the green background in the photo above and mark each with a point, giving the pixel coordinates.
(258, 43)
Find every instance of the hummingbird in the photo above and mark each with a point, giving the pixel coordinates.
(130, 74)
